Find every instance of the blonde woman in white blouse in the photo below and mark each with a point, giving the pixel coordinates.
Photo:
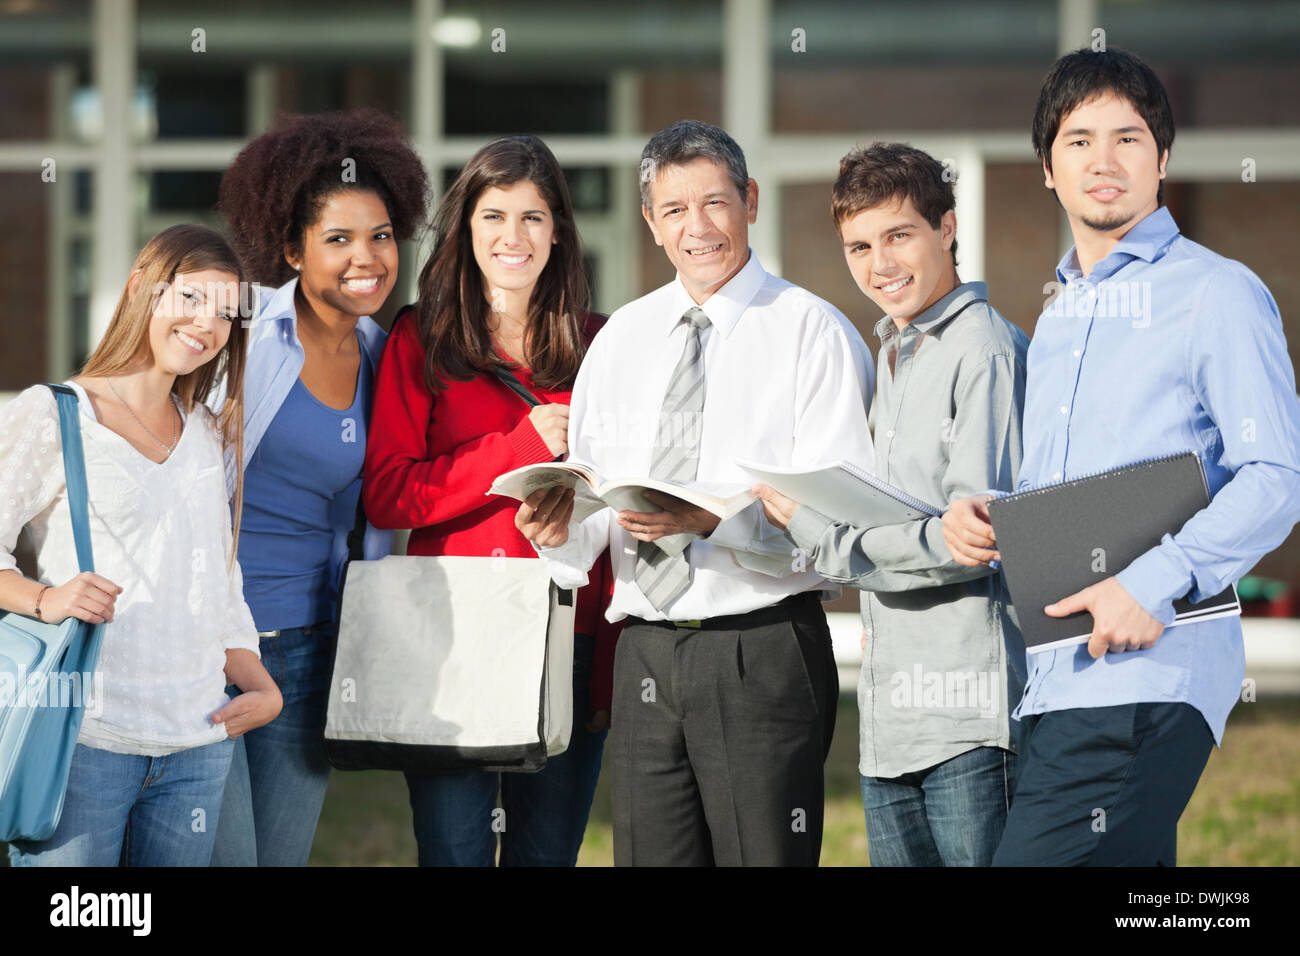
(155, 745)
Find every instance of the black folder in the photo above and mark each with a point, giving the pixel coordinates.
(1062, 538)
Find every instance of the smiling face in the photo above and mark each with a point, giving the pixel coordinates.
(702, 221)
(1105, 167)
(192, 319)
(512, 231)
(347, 263)
(899, 260)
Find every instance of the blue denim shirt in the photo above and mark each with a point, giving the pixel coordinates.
(1164, 347)
(275, 359)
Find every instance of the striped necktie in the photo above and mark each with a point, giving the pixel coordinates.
(662, 576)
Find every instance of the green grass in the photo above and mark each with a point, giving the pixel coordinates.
(1246, 809)
(1245, 812)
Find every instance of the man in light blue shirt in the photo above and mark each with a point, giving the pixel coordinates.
(1152, 345)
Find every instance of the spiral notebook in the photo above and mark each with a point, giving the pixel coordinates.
(844, 492)
(1062, 538)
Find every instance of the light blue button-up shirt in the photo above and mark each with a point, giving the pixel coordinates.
(274, 362)
(1164, 347)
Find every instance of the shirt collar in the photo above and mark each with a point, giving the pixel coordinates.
(725, 306)
(1147, 240)
(937, 315)
(280, 308)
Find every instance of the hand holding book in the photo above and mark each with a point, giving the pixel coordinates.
(676, 517)
(1063, 544)
(1119, 623)
(652, 510)
(968, 533)
(543, 517)
(843, 492)
(778, 508)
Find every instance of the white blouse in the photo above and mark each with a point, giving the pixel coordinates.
(162, 533)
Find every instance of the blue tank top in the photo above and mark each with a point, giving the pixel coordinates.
(300, 489)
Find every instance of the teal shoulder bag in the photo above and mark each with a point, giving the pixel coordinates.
(46, 674)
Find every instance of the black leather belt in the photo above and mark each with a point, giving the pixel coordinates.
(772, 614)
(318, 626)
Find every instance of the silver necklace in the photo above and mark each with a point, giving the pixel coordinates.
(175, 430)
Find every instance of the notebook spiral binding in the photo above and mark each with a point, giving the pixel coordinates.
(1142, 463)
(916, 504)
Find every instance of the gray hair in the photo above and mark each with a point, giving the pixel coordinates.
(684, 141)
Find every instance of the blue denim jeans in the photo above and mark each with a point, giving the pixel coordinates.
(951, 814)
(279, 773)
(542, 816)
(128, 810)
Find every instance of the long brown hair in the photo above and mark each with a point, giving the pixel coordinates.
(178, 250)
(452, 311)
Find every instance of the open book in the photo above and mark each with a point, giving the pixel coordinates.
(844, 492)
(592, 493)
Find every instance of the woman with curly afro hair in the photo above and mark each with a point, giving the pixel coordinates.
(316, 208)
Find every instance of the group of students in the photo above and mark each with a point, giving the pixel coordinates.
(719, 697)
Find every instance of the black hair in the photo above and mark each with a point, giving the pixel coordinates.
(278, 183)
(1085, 74)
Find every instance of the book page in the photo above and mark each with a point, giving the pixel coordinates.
(522, 482)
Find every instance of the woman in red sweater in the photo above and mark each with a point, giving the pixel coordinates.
(504, 286)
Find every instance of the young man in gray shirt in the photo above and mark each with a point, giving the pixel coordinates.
(943, 662)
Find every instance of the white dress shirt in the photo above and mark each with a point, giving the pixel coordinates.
(788, 381)
(160, 532)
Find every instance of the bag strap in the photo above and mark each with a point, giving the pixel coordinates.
(74, 472)
(511, 381)
(357, 536)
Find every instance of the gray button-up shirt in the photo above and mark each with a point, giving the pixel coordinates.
(944, 663)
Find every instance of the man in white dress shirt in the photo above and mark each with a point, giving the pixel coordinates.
(724, 683)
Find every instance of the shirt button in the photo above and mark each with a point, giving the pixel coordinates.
(889, 434)
(1056, 476)
(1064, 410)
(1077, 353)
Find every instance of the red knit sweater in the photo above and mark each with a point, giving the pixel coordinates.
(430, 460)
